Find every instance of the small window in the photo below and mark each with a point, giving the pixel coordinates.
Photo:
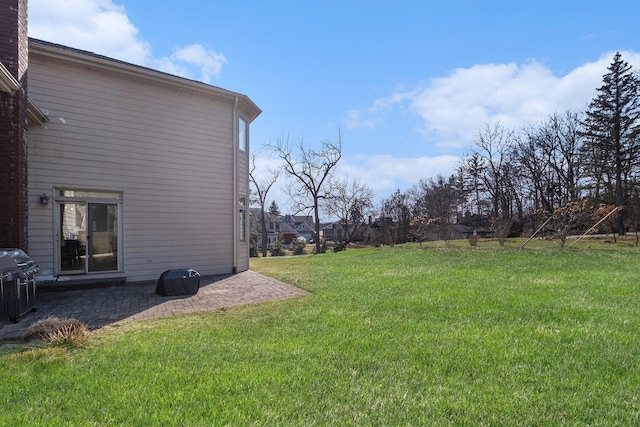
(242, 219)
(242, 134)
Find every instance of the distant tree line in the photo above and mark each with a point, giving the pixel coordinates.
(569, 170)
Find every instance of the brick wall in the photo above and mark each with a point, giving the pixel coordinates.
(13, 127)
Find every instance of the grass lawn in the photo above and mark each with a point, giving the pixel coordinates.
(406, 335)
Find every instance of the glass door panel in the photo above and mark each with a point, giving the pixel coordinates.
(73, 237)
(102, 246)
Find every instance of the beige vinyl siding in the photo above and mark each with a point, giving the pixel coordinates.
(168, 150)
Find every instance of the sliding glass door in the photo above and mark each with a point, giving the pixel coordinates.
(87, 234)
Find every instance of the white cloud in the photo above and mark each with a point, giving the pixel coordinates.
(99, 26)
(453, 108)
(355, 121)
(103, 27)
(390, 101)
(209, 62)
(386, 173)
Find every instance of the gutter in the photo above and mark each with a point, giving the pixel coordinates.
(234, 197)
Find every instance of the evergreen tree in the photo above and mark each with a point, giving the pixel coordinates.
(274, 209)
(611, 131)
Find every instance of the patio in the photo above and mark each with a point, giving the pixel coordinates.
(103, 306)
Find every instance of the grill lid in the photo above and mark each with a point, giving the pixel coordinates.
(12, 259)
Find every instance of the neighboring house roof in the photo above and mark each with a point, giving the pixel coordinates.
(284, 227)
(287, 229)
(302, 218)
(45, 48)
(300, 223)
(255, 212)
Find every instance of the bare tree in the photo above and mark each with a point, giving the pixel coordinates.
(500, 227)
(420, 228)
(349, 203)
(261, 187)
(494, 147)
(548, 156)
(439, 198)
(309, 171)
(577, 216)
(395, 213)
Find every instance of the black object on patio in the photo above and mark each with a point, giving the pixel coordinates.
(17, 284)
(178, 282)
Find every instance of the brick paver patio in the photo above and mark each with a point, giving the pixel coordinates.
(103, 306)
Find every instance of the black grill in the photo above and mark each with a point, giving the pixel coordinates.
(17, 284)
(178, 282)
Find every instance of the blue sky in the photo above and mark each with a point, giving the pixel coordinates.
(408, 83)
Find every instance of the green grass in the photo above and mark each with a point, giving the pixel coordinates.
(407, 335)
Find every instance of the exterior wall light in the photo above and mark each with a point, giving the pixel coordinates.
(44, 199)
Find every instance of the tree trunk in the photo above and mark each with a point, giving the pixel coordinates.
(619, 195)
(263, 223)
(317, 226)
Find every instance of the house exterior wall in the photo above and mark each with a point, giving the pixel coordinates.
(167, 144)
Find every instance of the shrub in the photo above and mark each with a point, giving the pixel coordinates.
(340, 246)
(299, 247)
(277, 249)
(69, 335)
(253, 249)
(500, 227)
(58, 331)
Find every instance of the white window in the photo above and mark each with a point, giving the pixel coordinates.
(242, 219)
(243, 134)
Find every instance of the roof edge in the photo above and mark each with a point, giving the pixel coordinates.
(8, 83)
(35, 116)
(53, 50)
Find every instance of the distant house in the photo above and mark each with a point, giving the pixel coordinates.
(303, 225)
(276, 229)
(461, 231)
(336, 232)
(131, 171)
(333, 231)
